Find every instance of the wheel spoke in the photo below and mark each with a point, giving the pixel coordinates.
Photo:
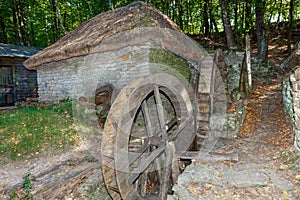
(141, 183)
(171, 124)
(133, 156)
(181, 127)
(175, 166)
(145, 162)
(147, 120)
(160, 111)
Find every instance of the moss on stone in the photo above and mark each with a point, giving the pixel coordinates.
(167, 58)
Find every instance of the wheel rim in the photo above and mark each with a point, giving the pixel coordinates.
(138, 164)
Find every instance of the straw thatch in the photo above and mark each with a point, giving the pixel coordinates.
(91, 33)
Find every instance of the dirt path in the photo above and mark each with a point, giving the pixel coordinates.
(268, 167)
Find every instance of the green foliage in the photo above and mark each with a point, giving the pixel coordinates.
(40, 23)
(31, 130)
(27, 185)
(14, 196)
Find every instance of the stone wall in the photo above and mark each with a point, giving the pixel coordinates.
(80, 76)
(236, 104)
(291, 102)
(56, 80)
(233, 60)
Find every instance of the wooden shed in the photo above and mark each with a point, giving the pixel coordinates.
(16, 82)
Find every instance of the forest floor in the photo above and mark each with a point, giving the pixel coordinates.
(268, 166)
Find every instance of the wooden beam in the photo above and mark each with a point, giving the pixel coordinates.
(211, 156)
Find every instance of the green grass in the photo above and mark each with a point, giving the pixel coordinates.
(31, 130)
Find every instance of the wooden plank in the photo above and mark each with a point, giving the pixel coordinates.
(164, 182)
(214, 156)
(175, 166)
(161, 116)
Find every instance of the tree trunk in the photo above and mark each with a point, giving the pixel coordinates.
(212, 18)
(248, 17)
(242, 16)
(205, 18)
(15, 21)
(279, 14)
(59, 17)
(24, 30)
(213, 26)
(272, 11)
(227, 26)
(90, 8)
(236, 7)
(173, 10)
(180, 15)
(3, 33)
(188, 17)
(55, 21)
(290, 29)
(111, 4)
(262, 43)
(32, 34)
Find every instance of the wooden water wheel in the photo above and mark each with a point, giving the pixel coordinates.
(149, 122)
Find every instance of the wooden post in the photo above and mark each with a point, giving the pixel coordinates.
(164, 182)
(248, 62)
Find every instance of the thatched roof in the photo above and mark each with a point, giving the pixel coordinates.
(87, 36)
(8, 50)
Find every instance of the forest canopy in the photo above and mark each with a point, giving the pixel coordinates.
(42, 22)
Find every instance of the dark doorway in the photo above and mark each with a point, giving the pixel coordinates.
(7, 86)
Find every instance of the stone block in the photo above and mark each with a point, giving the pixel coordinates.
(297, 138)
(292, 77)
(246, 178)
(294, 95)
(295, 86)
(296, 103)
(297, 120)
(297, 73)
